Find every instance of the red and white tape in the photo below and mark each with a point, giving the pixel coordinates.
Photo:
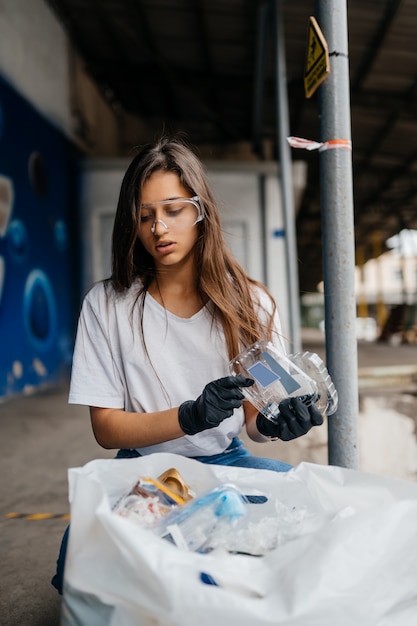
(309, 144)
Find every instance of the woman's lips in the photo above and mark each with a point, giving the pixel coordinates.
(165, 247)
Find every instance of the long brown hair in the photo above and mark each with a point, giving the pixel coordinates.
(219, 275)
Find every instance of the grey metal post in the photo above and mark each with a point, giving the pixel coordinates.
(286, 178)
(263, 15)
(338, 236)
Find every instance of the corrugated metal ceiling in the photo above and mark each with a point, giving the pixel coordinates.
(191, 65)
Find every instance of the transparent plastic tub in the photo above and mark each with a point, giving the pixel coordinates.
(278, 376)
(313, 365)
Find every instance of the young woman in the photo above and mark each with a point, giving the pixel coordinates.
(154, 341)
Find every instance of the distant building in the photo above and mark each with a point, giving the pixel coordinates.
(386, 294)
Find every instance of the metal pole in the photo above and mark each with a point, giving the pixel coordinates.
(338, 236)
(286, 178)
(263, 16)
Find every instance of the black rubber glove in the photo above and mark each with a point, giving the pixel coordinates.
(218, 401)
(294, 420)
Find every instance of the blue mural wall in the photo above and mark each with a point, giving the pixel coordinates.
(38, 248)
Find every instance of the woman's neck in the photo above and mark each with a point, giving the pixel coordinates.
(177, 293)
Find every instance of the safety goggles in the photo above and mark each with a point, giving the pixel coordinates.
(176, 214)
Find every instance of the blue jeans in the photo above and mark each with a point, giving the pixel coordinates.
(236, 454)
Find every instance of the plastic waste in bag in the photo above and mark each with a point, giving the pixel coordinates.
(192, 526)
(344, 553)
(150, 499)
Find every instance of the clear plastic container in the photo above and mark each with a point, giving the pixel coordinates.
(278, 376)
(313, 365)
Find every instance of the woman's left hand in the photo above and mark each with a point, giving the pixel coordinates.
(295, 419)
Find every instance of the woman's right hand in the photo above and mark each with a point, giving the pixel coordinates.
(217, 402)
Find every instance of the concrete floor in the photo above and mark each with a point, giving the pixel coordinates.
(42, 436)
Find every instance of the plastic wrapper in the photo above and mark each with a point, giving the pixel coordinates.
(195, 526)
(151, 499)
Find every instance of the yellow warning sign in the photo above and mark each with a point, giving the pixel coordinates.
(317, 65)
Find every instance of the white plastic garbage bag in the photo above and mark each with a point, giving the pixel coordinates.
(350, 559)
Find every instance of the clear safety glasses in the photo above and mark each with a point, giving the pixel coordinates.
(177, 214)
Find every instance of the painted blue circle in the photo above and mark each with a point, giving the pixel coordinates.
(18, 240)
(39, 310)
(61, 235)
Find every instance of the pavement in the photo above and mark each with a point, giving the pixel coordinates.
(42, 436)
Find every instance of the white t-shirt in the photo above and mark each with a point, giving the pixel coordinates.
(112, 370)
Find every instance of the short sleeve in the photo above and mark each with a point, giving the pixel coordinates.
(95, 375)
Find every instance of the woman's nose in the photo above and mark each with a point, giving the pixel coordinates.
(155, 222)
